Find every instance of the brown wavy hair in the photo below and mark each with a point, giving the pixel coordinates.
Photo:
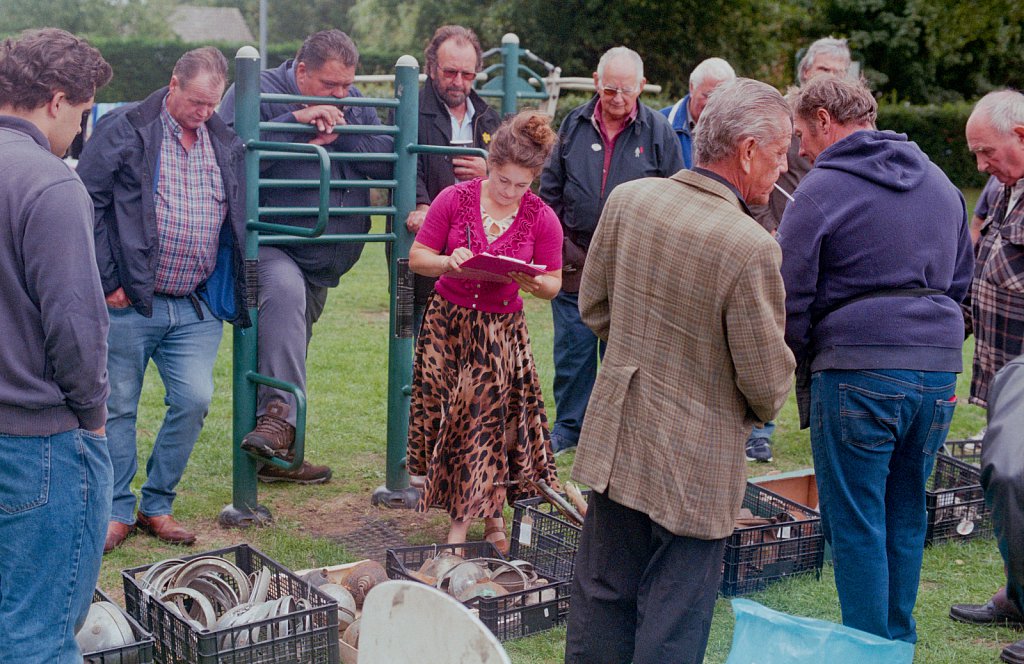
(525, 139)
(38, 64)
(461, 35)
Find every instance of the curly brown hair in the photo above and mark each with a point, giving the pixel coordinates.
(37, 64)
(525, 139)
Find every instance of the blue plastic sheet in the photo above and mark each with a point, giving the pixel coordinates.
(764, 636)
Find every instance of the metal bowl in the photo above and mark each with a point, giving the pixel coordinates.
(346, 603)
(104, 628)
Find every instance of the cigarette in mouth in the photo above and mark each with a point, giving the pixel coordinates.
(791, 200)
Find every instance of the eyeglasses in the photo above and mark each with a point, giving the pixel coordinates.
(455, 73)
(611, 92)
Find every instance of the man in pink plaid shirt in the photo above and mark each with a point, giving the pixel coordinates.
(167, 183)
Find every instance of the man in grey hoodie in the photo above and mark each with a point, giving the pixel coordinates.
(55, 481)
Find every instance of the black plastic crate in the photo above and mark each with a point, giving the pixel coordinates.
(140, 652)
(513, 616)
(956, 503)
(312, 634)
(968, 451)
(542, 536)
(757, 555)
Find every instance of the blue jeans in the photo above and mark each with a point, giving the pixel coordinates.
(54, 508)
(576, 354)
(184, 349)
(874, 435)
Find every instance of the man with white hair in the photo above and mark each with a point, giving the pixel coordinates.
(995, 134)
(688, 371)
(683, 115)
(611, 139)
(827, 55)
(876, 258)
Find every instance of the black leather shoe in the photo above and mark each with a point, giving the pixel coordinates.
(988, 614)
(1013, 653)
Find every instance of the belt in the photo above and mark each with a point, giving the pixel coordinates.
(191, 297)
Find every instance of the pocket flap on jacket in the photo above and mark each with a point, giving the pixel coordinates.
(607, 403)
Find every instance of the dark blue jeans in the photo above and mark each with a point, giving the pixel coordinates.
(874, 436)
(576, 353)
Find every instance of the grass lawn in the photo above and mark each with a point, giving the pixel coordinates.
(347, 383)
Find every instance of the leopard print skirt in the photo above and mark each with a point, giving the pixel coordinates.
(477, 427)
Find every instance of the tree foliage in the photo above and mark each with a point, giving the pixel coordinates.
(912, 50)
(141, 18)
(931, 50)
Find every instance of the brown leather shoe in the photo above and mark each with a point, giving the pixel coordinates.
(307, 473)
(117, 533)
(165, 528)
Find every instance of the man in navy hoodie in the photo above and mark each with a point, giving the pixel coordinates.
(294, 279)
(876, 258)
(55, 480)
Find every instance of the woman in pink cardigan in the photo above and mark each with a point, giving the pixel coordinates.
(477, 428)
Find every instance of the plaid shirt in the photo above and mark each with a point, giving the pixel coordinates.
(190, 208)
(997, 295)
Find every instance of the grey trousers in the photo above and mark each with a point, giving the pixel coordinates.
(288, 307)
(1002, 472)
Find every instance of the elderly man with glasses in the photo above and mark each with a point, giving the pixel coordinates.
(611, 139)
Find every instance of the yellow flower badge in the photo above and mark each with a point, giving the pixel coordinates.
(487, 138)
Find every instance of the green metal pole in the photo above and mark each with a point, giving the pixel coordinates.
(396, 492)
(510, 73)
(245, 510)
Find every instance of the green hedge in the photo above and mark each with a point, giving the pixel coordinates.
(141, 66)
(939, 130)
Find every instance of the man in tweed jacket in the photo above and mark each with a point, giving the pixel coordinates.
(685, 287)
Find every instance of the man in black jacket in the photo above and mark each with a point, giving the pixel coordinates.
(451, 113)
(167, 181)
(611, 139)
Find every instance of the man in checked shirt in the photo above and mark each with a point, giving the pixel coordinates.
(166, 179)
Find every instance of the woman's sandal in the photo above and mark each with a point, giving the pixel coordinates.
(496, 536)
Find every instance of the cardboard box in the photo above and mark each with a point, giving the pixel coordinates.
(798, 485)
